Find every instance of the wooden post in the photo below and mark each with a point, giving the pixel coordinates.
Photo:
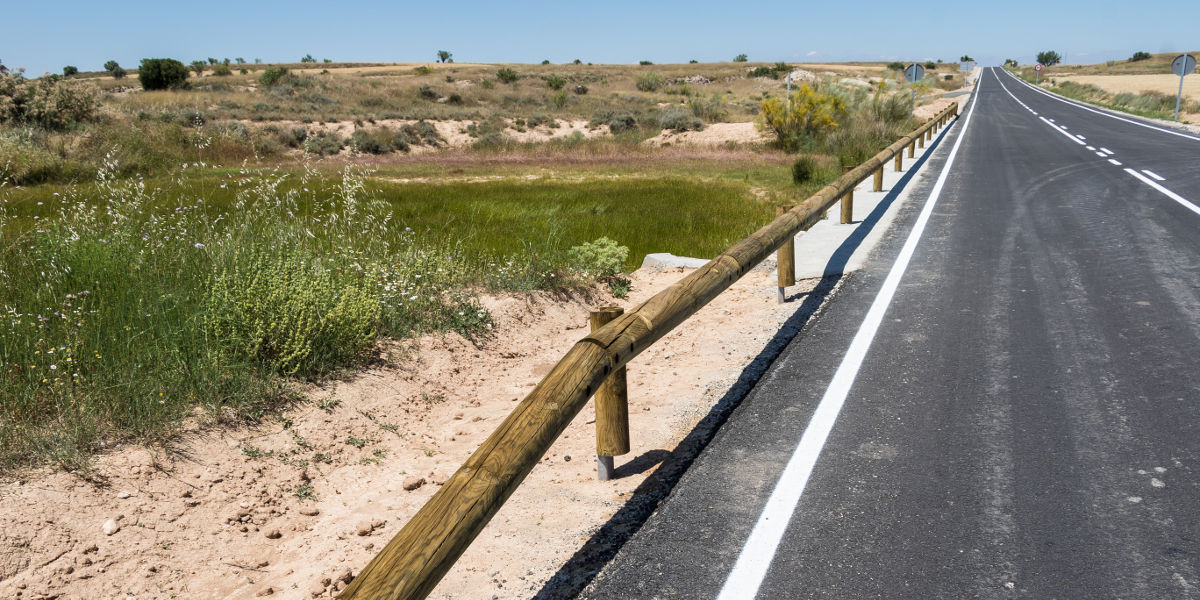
(912, 149)
(612, 406)
(878, 175)
(785, 259)
(899, 158)
(848, 202)
(929, 134)
(921, 141)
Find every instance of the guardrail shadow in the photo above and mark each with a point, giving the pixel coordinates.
(841, 256)
(603, 545)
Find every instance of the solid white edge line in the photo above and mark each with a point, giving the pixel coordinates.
(1169, 193)
(1156, 176)
(758, 552)
(1099, 112)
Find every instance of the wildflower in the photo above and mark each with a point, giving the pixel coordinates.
(39, 203)
(222, 186)
(55, 193)
(53, 367)
(199, 245)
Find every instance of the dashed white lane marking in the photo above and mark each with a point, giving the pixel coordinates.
(1114, 161)
(1106, 151)
(756, 556)
(1169, 193)
(1069, 136)
(1101, 155)
(1093, 149)
(1111, 116)
(1080, 137)
(1154, 175)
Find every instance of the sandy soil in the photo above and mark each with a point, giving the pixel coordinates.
(713, 135)
(218, 516)
(1166, 84)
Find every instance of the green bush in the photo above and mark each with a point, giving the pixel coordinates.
(896, 66)
(272, 76)
(782, 67)
(48, 102)
(555, 82)
(650, 82)
(197, 67)
(545, 62)
(423, 70)
(804, 170)
(1138, 56)
(645, 63)
(69, 71)
(930, 66)
(767, 72)
(162, 74)
(222, 70)
(601, 258)
(678, 119)
(710, 111)
(559, 99)
(323, 144)
(381, 141)
(506, 75)
(741, 58)
(620, 123)
(581, 90)
(429, 93)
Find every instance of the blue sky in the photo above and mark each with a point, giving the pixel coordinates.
(45, 36)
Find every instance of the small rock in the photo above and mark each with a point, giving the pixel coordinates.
(309, 512)
(412, 483)
(325, 581)
(316, 590)
(345, 576)
(274, 534)
(368, 545)
(458, 416)
(339, 586)
(567, 458)
(123, 494)
(187, 493)
(90, 548)
(440, 478)
(363, 528)
(267, 591)
(262, 563)
(111, 527)
(377, 523)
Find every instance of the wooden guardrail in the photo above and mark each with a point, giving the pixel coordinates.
(425, 549)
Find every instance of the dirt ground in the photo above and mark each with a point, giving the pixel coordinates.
(1166, 84)
(297, 506)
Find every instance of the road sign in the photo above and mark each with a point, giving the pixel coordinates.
(1181, 66)
(914, 73)
(1037, 68)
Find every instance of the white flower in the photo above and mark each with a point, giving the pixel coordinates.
(198, 245)
(53, 367)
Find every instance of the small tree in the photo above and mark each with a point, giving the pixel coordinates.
(930, 66)
(577, 62)
(114, 69)
(443, 56)
(69, 71)
(645, 63)
(966, 58)
(1049, 58)
(308, 59)
(1139, 56)
(271, 77)
(693, 61)
(895, 65)
(741, 58)
(198, 67)
(555, 82)
(258, 61)
(546, 62)
(506, 75)
(162, 74)
(212, 61)
(222, 71)
(239, 60)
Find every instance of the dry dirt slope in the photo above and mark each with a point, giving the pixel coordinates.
(293, 512)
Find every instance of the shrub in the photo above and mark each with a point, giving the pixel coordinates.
(423, 70)
(1049, 58)
(711, 111)
(621, 123)
(308, 58)
(1137, 56)
(69, 71)
(162, 74)
(293, 138)
(767, 72)
(678, 119)
(558, 99)
(577, 62)
(811, 113)
(693, 62)
(930, 66)
(455, 99)
(197, 67)
(581, 89)
(782, 67)
(222, 70)
(602, 257)
(381, 141)
(645, 63)
(538, 119)
(545, 62)
(741, 58)
(650, 82)
(804, 169)
(323, 144)
(272, 76)
(555, 82)
(506, 75)
(491, 140)
(48, 102)
(429, 93)
(111, 66)
(895, 65)
(487, 84)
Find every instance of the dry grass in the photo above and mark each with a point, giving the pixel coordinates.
(1157, 64)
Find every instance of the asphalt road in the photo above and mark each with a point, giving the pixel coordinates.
(1024, 421)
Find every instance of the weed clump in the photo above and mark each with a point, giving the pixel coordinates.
(680, 120)
(381, 141)
(650, 82)
(272, 76)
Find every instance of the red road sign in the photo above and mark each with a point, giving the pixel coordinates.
(1037, 68)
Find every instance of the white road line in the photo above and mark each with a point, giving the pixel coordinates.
(1153, 174)
(1091, 148)
(1106, 150)
(1169, 193)
(1080, 137)
(1101, 155)
(756, 556)
(1100, 112)
(1114, 161)
(1069, 136)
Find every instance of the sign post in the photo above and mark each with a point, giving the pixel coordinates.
(1181, 66)
(912, 74)
(1038, 79)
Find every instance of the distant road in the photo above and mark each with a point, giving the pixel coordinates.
(1003, 403)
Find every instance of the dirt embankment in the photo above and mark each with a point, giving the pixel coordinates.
(295, 507)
